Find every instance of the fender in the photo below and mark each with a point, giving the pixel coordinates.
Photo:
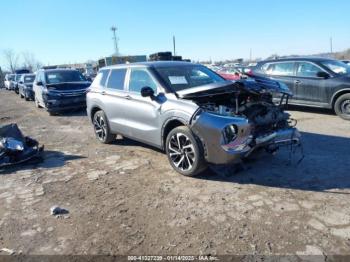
(172, 118)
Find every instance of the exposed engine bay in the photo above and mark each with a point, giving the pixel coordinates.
(256, 107)
(253, 100)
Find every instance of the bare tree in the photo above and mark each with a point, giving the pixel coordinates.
(30, 62)
(11, 59)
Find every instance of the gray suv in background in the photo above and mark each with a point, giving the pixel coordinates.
(314, 81)
(189, 111)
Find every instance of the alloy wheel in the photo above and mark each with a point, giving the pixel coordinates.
(345, 107)
(181, 151)
(100, 127)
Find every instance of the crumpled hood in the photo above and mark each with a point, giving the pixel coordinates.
(257, 85)
(68, 86)
(207, 90)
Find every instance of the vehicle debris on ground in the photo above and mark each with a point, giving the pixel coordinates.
(15, 148)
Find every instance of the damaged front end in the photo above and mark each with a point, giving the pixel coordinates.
(15, 148)
(234, 120)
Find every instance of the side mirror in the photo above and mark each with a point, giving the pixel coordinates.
(21, 82)
(147, 92)
(323, 75)
(39, 83)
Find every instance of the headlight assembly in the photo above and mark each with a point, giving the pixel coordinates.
(229, 133)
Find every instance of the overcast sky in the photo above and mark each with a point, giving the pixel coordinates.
(69, 31)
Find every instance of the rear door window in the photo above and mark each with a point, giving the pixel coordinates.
(116, 79)
(101, 78)
(306, 69)
(279, 69)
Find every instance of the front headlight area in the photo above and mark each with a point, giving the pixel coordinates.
(229, 134)
(235, 139)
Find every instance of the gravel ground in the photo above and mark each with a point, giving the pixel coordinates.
(125, 198)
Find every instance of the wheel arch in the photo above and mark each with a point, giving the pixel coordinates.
(338, 94)
(93, 110)
(169, 125)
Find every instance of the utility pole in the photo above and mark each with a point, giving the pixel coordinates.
(331, 44)
(116, 49)
(174, 45)
(250, 55)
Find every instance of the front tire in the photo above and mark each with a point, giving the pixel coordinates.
(37, 104)
(101, 128)
(185, 152)
(342, 106)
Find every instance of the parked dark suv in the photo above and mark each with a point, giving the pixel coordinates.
(316, 82)
(25, 86)
(60, 89)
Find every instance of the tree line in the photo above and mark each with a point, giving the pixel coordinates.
(14, 61)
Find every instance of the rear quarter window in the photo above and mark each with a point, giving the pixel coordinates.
(101, 78)
(116, 79)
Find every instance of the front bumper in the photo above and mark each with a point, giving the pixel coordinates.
(62, 103)
(209, 129)
(29, 93)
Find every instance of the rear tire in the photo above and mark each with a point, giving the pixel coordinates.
(101, 128)
(185, 152)
(342, 106)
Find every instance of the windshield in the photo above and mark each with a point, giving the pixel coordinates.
(56, 77)
(184, 77)
(29, 79)
(337, 67)
(18, 77)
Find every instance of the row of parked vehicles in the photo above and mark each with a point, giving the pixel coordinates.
(56, 90)
(192, 113)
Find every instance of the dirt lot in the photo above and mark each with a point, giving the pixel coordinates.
(124, 198)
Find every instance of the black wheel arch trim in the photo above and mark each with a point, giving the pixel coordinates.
(167, 122)
(339, 93)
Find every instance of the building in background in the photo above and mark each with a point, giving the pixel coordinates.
(115, 60)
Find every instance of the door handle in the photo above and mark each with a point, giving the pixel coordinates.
(297, 82)
(103, 93)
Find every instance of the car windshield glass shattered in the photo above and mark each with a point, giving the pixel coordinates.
(29, 79)
(56, 77)
(337, 67)
(184, 77)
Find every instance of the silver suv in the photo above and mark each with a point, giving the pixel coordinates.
(189, 111)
